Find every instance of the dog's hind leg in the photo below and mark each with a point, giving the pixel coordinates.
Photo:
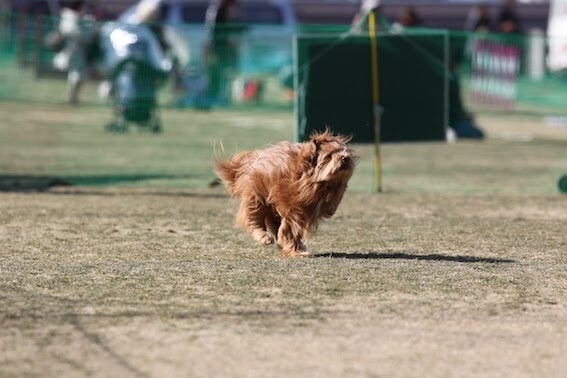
(272, 222)
(251, 216)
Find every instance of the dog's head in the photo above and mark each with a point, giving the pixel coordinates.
(329, 157)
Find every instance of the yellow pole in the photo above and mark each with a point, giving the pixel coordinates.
(375, 98)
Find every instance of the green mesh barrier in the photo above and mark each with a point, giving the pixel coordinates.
(496, 73)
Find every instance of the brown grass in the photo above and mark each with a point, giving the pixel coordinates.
(457, 269)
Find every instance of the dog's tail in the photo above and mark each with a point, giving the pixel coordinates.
(228, 171)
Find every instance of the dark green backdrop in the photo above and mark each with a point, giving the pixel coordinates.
(334, 81)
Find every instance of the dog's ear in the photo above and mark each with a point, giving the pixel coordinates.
(309, 153)
(317, 138)
(307, 158)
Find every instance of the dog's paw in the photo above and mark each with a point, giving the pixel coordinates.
(267, 239)
(296, 253)
(262, 237)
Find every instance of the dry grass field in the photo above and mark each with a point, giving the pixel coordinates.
(133, 269)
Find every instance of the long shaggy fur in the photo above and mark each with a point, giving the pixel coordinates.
(287, 188)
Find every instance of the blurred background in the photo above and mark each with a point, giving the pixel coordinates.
(499, 71)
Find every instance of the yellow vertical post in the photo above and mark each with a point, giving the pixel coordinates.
(377, 110)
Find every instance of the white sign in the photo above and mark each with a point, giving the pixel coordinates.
(557, 35)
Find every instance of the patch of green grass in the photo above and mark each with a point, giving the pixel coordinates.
(71, 144)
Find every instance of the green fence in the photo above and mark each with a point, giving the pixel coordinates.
(497, 74)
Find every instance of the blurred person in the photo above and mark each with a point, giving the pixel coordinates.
(78, 31)
(508, 21)
(479, 19)
(478, 22)
(222, 47)
(149, 12)
(409, 17)
(359, 22)
(222, 50)
(461, 122)
(510, 28)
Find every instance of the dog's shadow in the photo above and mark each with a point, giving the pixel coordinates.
(412, 256)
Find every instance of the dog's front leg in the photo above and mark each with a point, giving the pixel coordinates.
(289, 239)
(251, 216)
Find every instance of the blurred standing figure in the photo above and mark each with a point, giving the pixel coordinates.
(479, 19)
(222, 49)
(409, 17)
(508, 19)
(78, 31)
(359, 23)
(149, 12)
